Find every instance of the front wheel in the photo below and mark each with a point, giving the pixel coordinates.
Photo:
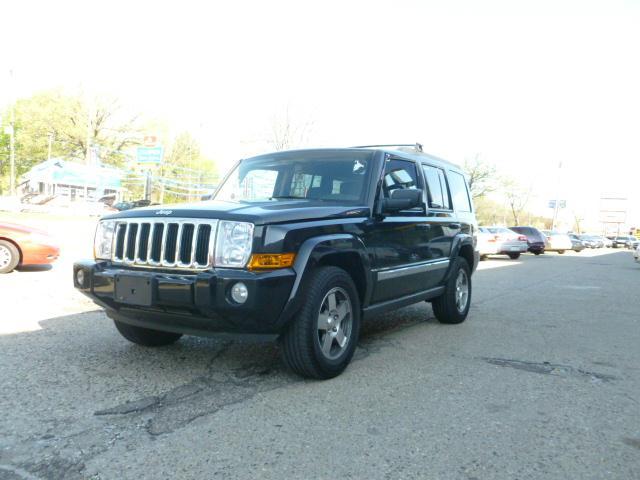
(146, 336)
(560, 252)
(322, 338)
(9, 256)
(514, 256)
(453, 305)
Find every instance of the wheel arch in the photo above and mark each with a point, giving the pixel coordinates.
(344, 251)
(15, 244)
(463, 247)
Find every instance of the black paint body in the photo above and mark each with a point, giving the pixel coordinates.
(394, 259)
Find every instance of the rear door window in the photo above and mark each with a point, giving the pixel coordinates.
(459, 192)
(437, 191)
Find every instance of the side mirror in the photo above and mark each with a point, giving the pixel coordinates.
(403, 199)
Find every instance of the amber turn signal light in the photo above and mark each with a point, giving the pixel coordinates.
(260, 261)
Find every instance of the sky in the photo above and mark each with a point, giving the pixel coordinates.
(527, 85)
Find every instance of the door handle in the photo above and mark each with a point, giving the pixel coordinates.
(454, 225)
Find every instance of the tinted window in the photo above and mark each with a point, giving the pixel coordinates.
(459, 193)
(399, 174)
(321, 176)
(436, 187)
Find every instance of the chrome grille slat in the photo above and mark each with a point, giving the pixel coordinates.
(128, 248)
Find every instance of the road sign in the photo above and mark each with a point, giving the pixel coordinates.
(149, 155)
(150, 141)
(561, 204)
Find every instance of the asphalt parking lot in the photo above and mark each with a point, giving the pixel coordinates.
(542, 381)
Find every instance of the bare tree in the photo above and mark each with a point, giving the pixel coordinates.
(517, 198)
(481, 176)
(287, 133)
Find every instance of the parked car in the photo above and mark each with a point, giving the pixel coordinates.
(592, 241)
(501, 241)
(302, 244)
(22, 245)
(606, 241)
(557, 242)
(577, 245)
(535, 238)
(625, 241)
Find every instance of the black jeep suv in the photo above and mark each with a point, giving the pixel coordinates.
(302, 244)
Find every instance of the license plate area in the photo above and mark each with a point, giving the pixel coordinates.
(134, 290)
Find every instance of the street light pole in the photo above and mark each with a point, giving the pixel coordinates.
(557, 205)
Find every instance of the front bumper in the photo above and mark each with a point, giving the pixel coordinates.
(197, 303)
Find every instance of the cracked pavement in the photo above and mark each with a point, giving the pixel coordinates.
(540, 382)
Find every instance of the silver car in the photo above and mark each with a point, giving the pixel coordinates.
(501, 241)
(557, 242)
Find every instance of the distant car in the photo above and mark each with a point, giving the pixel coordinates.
(557, 242)
(606, 241)
(589, 241)
(501, 241)
(21, 245)
(577, 245)
(535, 238)
(625, 241)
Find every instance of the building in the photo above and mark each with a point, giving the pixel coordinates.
(63, 180)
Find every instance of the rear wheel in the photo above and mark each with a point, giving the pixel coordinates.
(514, 256)
(321, 340)
(9, 256)
(453, 305)
(146, 336)
(560, 252)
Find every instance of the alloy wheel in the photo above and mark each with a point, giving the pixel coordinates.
(334, 323)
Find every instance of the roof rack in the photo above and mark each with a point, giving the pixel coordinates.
(417, 146)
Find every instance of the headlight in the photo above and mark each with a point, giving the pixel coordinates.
(233, 244)
(103, 241)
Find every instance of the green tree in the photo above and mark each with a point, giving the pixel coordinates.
(481, 176)
(69, 125)
(186, 173)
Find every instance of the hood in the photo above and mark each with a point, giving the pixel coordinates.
(258, 213)
(23, 229)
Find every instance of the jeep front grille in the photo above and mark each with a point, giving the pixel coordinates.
(172, 242)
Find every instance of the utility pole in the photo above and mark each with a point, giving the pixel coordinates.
(12, 142)
(555, 210)
(50, 143)
(87, 158)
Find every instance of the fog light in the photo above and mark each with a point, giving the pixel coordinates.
(80, 277)
(239, 292)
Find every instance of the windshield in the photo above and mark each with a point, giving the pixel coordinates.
(320, 176)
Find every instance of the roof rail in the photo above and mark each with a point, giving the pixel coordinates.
(417, 146)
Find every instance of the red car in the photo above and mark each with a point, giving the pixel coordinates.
(22, 245)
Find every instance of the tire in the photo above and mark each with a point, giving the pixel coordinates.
(560, 252)
(446, 307)
(537, 253)
(9, 256)
(306, 347)
(514, 256)
(146, 336)
(483, 257)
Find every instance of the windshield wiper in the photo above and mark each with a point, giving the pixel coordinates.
(290, 197)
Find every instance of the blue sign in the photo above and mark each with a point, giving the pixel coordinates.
(149, 155)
